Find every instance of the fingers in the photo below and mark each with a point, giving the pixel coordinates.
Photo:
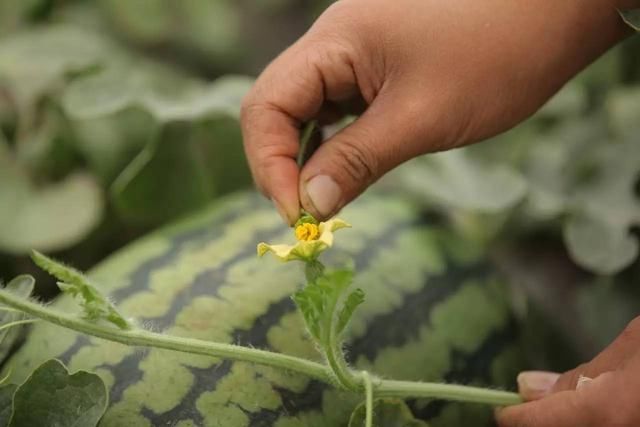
(585, 407)
(347, 163)
(291, 90)
(535, 385)
(611, 358)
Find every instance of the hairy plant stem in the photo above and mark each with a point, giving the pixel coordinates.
(368, 393)
(143, 338)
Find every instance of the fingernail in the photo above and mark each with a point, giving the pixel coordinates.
(536, 384)
(281, 211)
(324, 194)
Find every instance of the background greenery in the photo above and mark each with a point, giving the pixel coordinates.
(119, 116)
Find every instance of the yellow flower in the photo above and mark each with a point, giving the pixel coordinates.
(312, 240)
(307, 231)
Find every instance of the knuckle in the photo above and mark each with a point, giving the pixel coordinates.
(569, 379)
(360, 163)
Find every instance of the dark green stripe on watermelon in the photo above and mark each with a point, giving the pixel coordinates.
(412, 270)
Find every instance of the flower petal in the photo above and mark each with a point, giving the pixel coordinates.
(306, 250)
(280, 251)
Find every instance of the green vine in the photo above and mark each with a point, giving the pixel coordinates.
(326, 304)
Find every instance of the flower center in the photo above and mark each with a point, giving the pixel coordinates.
(307, 231)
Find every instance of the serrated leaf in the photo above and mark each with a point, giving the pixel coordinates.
(456, 180)
(53, 397)
(350, 305)
(95, 305)
(320, 304)
(6, 399)
(386, 413)
(632, 17)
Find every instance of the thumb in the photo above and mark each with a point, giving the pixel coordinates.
(347, 163)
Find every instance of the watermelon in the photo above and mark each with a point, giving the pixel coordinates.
(435, 310)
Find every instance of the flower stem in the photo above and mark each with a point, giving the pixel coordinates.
(368, 391)
(142, 338)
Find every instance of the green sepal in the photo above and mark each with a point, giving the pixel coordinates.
(306, 218)
(95, 305)
(386, 413)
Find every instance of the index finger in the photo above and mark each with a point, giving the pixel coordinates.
(289, 91)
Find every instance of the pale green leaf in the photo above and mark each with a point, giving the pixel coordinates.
(53, 397)
(386, 413)
(456, 180)
(49, 218)
(21, 286)
(599, 246)
(604, 210)
(36, 61)
(96, 306)
(165, 95)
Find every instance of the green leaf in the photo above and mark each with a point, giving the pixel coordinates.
(36, 61)
(456, 180)
(352, 302)
(95, 305)
(53, 397)
(632, 17)
(165, 95)
(6, 400)
(322, 308)
(603, 247)
(386, 413)
(604, 210)
(21, 286)
(53, 217)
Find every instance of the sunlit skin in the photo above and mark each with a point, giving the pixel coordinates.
(428, 76)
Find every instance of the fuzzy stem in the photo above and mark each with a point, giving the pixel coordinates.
(368, 390)
(313, 269)
(461, 393)
(17, 323)
(142, 338)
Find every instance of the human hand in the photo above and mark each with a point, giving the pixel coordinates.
(608, 395)
(432, 74)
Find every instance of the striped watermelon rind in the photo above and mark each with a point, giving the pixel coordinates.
(436, 310)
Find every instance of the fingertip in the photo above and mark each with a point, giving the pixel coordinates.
(279, 182)
(534, 385)
(321, 196)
